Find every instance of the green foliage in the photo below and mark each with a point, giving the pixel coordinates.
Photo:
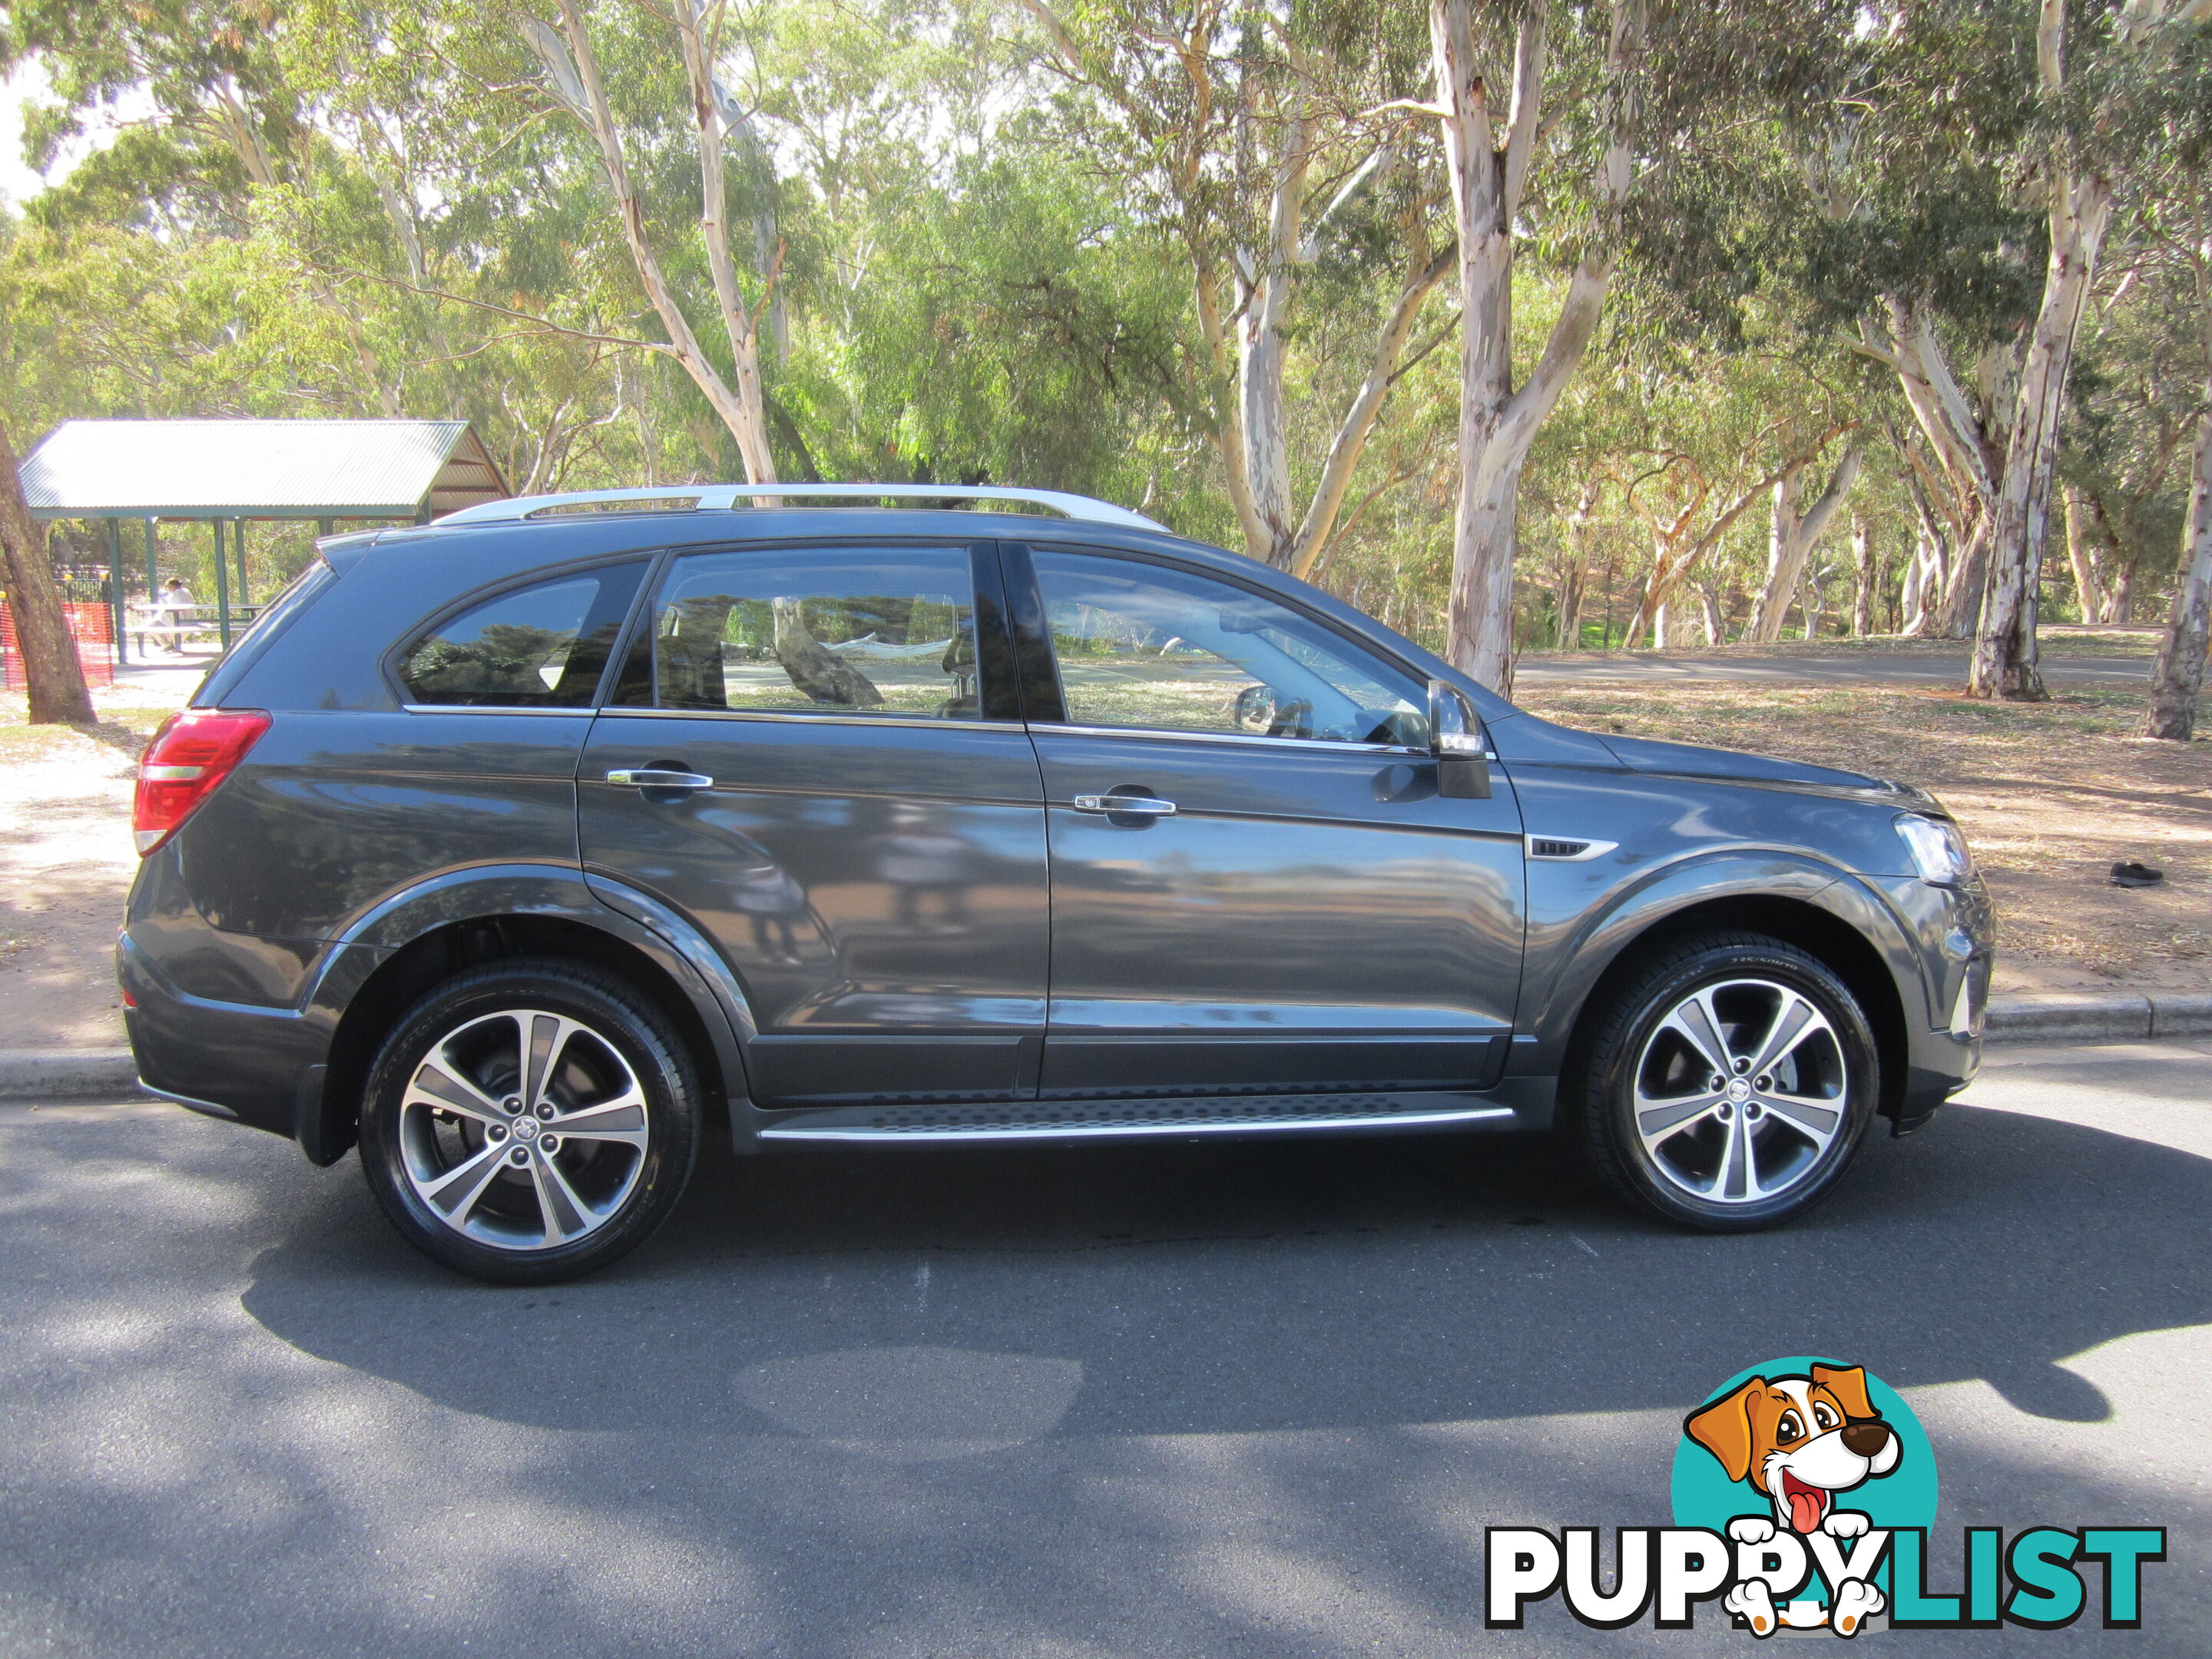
(972, 264)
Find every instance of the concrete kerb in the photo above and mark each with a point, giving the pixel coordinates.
(2075, 1017)
(2038, 1017)
(66, 1073)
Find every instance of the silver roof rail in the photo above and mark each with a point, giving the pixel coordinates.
(726, 497)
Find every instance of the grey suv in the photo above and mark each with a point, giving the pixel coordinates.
(512, 846)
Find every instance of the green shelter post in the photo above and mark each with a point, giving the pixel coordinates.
(238, 530)
(153, 571)
(115, 586)
(221, 586)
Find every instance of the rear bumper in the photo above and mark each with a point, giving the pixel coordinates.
(231, 1059)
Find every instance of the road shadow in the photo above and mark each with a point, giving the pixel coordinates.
(1229, 1288)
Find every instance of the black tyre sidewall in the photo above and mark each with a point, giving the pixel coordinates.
(1609, 1074)
(635, 1030)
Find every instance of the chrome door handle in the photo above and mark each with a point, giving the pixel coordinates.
(652, 778)
(1143, 806)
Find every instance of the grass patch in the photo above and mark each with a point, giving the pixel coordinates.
(127, 730)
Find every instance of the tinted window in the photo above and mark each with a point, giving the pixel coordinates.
(1138, 645)
(821, 631)
(541, 646)
(275, 616)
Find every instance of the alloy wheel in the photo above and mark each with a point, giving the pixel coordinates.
(524, 1129)
(1739, 1091)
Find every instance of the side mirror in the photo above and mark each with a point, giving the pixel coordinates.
(1455, 738)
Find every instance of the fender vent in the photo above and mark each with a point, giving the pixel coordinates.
(1540, 848)
(1561, 850)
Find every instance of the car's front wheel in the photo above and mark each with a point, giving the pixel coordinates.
(530, 1122)
(1727, 1084)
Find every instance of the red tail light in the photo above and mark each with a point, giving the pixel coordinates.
(192, 753)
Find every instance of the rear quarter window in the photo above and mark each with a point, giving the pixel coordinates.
(278, 616)
(540, 646)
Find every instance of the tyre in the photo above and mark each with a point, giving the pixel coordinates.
(1728, 1084)
(530, 1122)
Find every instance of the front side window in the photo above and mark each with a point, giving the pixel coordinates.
(541, 646)
(816, 631)
(1140, 644)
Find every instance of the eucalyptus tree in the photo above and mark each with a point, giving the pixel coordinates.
(1503, 84)
(1958, 188)
(1259, 144)
(2171, 229)
(226, 123)
(54, 679)
(2082, 168)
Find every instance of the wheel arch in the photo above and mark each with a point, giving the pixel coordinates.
(1817, 907)
(429, 935)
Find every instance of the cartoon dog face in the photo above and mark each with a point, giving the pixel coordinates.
(1801, 1440)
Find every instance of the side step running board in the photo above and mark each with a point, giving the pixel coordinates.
(1072, 1120)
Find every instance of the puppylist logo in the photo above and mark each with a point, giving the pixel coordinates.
(1803, 1491)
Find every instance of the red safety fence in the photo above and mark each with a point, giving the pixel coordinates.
(93, 626)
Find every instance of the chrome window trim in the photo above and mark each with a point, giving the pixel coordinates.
(774, 716)
(578, 711)
(1333, 744)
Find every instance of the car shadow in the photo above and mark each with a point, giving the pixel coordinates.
(1227, 1287)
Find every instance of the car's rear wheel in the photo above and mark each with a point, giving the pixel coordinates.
(1728, 1084)
(530, 1122)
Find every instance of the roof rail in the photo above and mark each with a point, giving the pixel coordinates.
(726, 497)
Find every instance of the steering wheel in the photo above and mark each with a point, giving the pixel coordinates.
(1293, 719)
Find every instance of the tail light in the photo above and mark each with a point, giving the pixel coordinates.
(190, 755)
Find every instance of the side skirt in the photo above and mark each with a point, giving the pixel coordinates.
(1522, 1103)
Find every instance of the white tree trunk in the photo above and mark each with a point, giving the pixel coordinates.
(1790, 541)
(2178, 680)
(1260, 353)
(2088, 593)
(2004, 651)
(1574, 576)
(2004, 662)
(1497, 423)
(1709, 602)
(576, 81)
(1863, 582)
(1320, 523)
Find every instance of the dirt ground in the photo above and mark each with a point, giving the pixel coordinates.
(2050, 794)
(65, 863)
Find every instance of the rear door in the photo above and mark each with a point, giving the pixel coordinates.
(1292, 907)
(815, 753)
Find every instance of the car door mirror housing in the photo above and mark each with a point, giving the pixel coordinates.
(1457, 741)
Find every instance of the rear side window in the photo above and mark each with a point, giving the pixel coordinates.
(274, 618)
(541, 646)
(855, 630)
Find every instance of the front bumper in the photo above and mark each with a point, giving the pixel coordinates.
(1956, 931)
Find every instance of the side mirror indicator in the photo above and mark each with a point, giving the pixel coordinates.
(1456, 740)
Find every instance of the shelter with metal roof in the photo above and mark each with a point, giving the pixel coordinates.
(226, 472)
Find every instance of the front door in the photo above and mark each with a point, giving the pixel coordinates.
(814, 753)
(1285, 903)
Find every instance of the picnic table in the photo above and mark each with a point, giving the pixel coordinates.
(174, 624)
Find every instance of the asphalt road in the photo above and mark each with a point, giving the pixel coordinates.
(1857, 668)
(1137, 1401)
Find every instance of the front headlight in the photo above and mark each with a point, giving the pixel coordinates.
(1939, 850)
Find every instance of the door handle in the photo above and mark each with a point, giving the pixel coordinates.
(654, 778)
(1141, 807)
